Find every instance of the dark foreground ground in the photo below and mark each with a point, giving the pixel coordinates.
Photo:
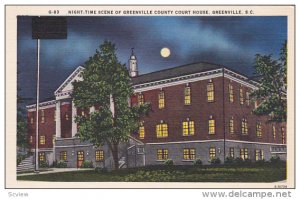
(265, 173)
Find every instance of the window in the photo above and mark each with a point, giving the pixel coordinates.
(161, 100)
(42, 139)
(99, 155)
(187, 95)
(241, 95)
(189, 154)
(231, 152)
(211, 126)
(210, 92)
(274, 131)
(140, 99)
(188, 128)
(162, 154)
(31, 120)
(244, 126)
(212, 152)
(53, 139)
(67, 117)
(162, 130)
(82, 113)
(142, 130)
(244, 153)
(30, 139)
(42, 116)
(283, 135)
(42, 156)
(259, 155)
(247, 98)
(231, 126)
(230, 91)
(63, 155)
(258, 129)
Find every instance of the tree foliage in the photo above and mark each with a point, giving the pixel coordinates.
(106, 83)
(271, 93)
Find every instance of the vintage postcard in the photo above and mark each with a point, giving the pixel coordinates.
(150, 96)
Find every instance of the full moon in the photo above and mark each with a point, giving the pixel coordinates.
(165, 52)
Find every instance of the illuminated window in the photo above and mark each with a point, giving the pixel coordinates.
(42, 116)
(258, 129)
(161, 100)
(63, 155)
(142, 130)
(231, 126)
(99, 155)
(53, 139)
(247, 98)
(187, 95)
(283, 135)
(274, 131)
(241, 95)
(244, 126)
(82, 113)
(162, 130)
(140, 99)
(244, 153)
(162, 154)
(30, 139)
(230, 91)
(31, 120)
(42, 139)
(212, 152)
(231, 152)
(189, 154)
(67, 117)
(42, 156)
(188, 128)
(211, 126)
(259, 155)
(210, 92)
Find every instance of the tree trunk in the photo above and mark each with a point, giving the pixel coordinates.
(115, 154)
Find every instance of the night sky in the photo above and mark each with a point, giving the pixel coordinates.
(229, 41)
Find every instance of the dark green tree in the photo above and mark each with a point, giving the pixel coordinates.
(271, 93)
(107, 84)
(21, 121)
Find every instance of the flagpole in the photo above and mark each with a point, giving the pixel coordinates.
(37, 108)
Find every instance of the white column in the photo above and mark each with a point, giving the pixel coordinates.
(74, 125)
(112, 105)
(58, 121)
(92, 109)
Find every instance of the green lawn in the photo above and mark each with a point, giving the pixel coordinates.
(170, 174)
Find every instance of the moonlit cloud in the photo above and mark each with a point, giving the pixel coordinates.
(230, 41)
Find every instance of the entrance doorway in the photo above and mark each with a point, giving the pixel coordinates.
(80, 158)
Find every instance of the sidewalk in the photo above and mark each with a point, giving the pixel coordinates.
(55, 170)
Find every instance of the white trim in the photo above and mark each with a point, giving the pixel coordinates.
(283, 152)
(72, 74)
(73, 146)
(45, 149)
(163, 85)
(218, 140)
(42, 105)
(240, 81)
(66, 138)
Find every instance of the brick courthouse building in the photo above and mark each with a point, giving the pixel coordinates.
(198, 111)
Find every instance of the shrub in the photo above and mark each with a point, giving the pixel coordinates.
(87, 164)
(197, 162)
(169, 162)
(275, 160)
(43, 164)
(229, 161)
(238, 161)
(215, 161)
(260, 162)
(61, 164)
(101, 170)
